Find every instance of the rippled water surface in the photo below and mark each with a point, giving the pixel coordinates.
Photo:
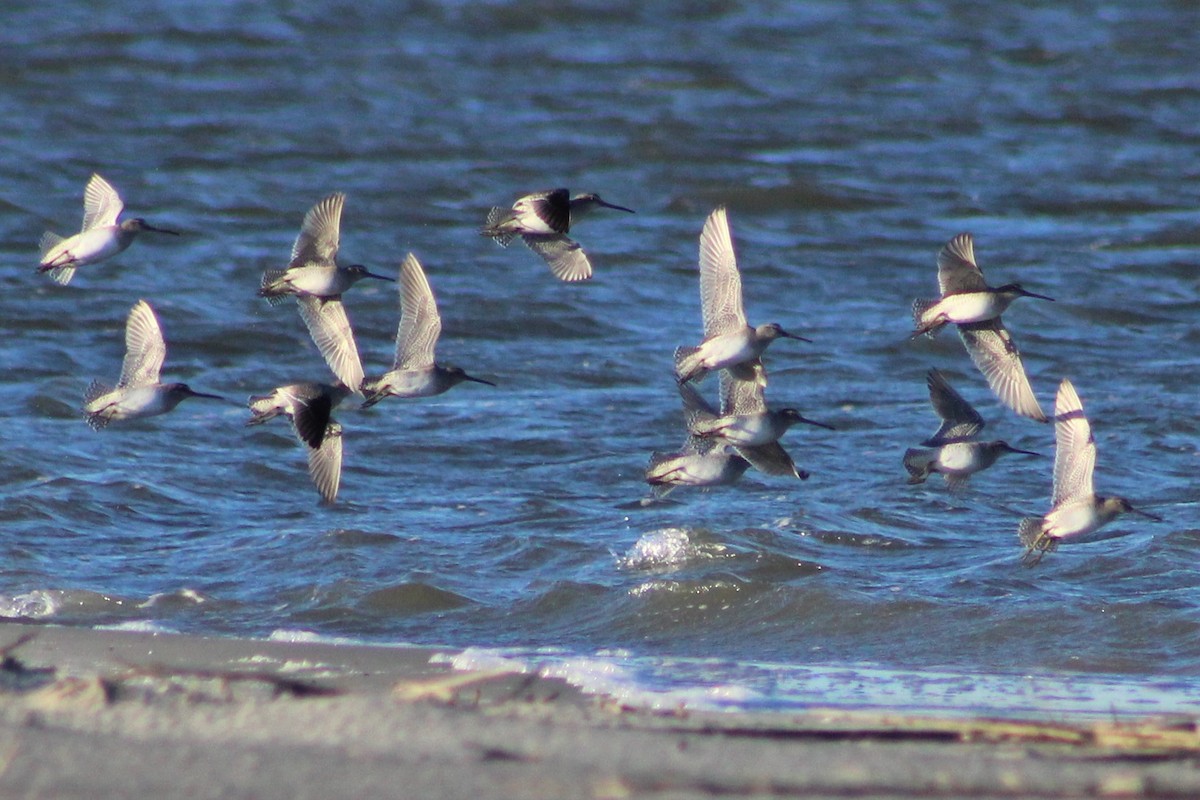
(849, 141)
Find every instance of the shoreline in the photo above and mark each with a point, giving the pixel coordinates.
(108, 713)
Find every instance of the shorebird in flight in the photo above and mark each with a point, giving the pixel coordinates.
(702, 461)
(138, 392)
(749, 426)
(954, 450)
(972, 305)
(414, 371)
(315, 279)
(313, 270)
(100, 237)
(542, 220)
(309, 407)
(1075, 508)
(729, 341)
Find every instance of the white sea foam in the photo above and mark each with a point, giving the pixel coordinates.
(137, 626)
(292, 635)
(484, 659)
(720, 685)
(612, 674)
(624, 682)
(665, 548)
(37, 604)
(182, 595)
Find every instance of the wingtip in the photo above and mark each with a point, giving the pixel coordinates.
(961, 247)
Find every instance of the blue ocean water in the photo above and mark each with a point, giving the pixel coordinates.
(849, 141)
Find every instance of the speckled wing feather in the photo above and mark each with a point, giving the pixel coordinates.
(330, 329)
(696, 409)
(563, 255)
(325, 463)
(959, 419)
(957, 271)
(995, 353)
(694, 404)
(772, 459)
(1075, 447)
(740, 396)
(320, 233)
(145, 349)
(720, 281)
(101, 204)
(420, 323)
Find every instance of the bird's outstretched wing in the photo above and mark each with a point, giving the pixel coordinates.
(1075, 447)
(101, 204)
(721, 302)
(330, 329)
(145, 349)
(320, 233)
(994, 352)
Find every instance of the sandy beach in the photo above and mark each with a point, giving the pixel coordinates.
(86, 713)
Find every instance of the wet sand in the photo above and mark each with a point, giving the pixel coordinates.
(90, 714)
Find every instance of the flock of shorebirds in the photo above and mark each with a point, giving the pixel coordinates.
(722, 443)
(955, 451)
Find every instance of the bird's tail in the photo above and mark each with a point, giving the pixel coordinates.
(919, 309)
(493, 227)
(654, 469)
(1030, 533)
(687, 365)
(95, 389)
(918, 462)
(62, 275)
(58, 267)
(269, 286)
(263, 407)
(48, 242)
